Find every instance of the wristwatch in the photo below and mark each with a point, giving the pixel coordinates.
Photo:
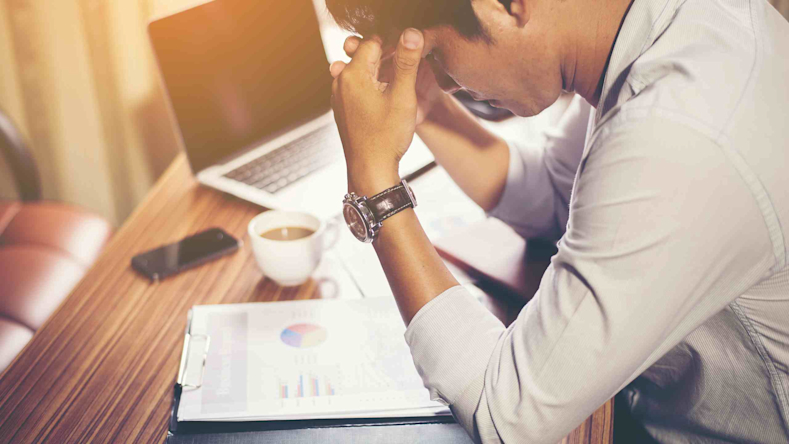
(365, 216)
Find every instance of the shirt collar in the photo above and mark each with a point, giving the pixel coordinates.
(644, 22)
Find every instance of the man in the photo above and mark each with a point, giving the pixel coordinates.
(671, 278)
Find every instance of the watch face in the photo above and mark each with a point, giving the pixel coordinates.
(355, 222)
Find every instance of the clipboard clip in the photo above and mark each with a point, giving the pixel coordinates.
(183, 370)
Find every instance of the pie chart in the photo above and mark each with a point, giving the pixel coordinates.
(303, 335)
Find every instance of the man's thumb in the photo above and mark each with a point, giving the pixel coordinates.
(406, 61)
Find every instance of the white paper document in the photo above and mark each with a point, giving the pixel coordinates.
(300, 360)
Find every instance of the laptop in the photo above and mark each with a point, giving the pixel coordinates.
(248, 84)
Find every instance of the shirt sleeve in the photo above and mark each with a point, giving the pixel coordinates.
(663, 234)
(539, 180)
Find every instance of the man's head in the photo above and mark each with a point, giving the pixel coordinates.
(382, 17)
(506, 51)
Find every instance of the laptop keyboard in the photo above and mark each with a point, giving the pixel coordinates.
(279, 168)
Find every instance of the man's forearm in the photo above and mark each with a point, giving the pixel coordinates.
(478, 162)
(415, 271)
(476, 159)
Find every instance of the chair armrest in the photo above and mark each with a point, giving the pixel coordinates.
(20, 160)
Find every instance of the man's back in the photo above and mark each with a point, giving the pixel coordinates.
(720, 68)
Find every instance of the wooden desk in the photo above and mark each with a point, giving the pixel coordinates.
(102, 368)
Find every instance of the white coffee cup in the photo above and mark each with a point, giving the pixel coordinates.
(287, 262)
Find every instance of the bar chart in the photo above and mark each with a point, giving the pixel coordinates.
(306, 386)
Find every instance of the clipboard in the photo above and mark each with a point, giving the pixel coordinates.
(434, 430)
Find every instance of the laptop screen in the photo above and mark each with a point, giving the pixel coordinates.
(239, 71)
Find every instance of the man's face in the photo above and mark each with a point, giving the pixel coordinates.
(518, 69)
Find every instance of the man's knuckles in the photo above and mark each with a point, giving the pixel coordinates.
(351, 45)
(347, 81)
(368, 51)
(404, 62)
(350, 84)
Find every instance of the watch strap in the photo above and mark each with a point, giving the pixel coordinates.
(390, 202)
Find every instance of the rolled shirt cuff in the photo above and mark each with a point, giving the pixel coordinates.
(451, 339)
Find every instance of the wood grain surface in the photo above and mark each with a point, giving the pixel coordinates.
(102, 368)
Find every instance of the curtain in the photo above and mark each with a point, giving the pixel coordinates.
(79, 79)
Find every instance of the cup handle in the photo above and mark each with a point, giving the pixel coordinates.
(333, 226)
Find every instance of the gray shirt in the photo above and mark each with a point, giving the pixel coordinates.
(671, 280)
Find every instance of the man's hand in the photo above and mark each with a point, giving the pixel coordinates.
(428, 93)
(377, 120)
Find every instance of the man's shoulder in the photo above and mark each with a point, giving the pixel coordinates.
(650, 134)
(698, 67)
(705, 63)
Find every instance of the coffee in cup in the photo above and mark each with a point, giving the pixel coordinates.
(288, 245)
(287, 233)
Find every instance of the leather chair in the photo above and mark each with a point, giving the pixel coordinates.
(45, 249)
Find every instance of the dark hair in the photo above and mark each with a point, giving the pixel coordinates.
(383, 17)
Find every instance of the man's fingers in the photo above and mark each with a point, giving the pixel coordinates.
(336, 68)
(406, 61)
(351, 44)
(367, 55)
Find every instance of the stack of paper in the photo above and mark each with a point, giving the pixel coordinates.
(300, 360)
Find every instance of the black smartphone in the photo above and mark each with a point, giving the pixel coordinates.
(189, 252)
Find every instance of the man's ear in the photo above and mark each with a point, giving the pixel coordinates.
(516, 12)
(519, 10)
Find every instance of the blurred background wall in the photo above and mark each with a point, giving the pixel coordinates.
(79, 79)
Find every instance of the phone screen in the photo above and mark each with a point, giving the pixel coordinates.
(193, 250)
